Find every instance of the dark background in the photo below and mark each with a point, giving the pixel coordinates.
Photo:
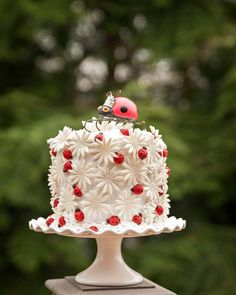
(177, 61)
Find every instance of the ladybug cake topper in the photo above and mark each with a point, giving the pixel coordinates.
(118, 108)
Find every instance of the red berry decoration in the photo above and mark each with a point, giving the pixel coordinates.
(137, 189)
(67, 166)
(137, 219)
(77, 191)
(159, 210)
(67, 154)
(142, 153)
(79, 215)
(168, 170)
(49, 221)
(53, 152)
(55, 203)
(61, 221)
(119, 159)
(99, 136)
(125, 131)
(113, 220)
(94, 228)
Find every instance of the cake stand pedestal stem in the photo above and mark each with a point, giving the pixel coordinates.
(109, 268)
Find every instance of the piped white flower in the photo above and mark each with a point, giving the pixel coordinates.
(80, 142)
(127, 205)
(67, 200)
(109, 180)
(155, 132)
(148, 212)
(165, 203)
(106, 125)
(134, 171)
(152, 186)
(95, 125)
(82, 173)
(104, 150)
(154, 148)
(61, 140)
(56, 176)
(94, 205)
(134, 141)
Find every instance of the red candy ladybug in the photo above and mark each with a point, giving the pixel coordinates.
(94, 228)
(55, 203)
(49, 221)
(119, 159)
(113, 220)
(53, 152)
(168, 170)
(61, 221)
(99, 136)
(67, 154)
(79, 215)
(67, 166)
(137, 189)
(142, 153)
(137, 218)
(159, 210)
(77, 191)
(125, 132)
(164, 153)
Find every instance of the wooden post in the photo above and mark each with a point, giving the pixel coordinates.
(68, 286)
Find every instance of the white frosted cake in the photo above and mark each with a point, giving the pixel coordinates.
(108, 173)
(109, 176)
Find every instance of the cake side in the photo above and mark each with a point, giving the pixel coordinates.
(108, 173)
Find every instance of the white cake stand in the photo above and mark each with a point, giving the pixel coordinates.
(109, 268)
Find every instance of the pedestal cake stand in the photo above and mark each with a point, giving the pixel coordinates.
(109, 268)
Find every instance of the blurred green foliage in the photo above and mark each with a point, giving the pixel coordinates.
(177, 60)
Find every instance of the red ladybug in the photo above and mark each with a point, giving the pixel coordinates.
(125, 132)
(67, 154)
(164, 153)
(77, 191)
(137, 189)
(67, 166)
(118, 107)
(79, 215)
(168, 170)
(53, 152)
(142, 153)
(119, 158)
(49, 221)
(113, 220)
(61, 221)
(159, 210)
(137, 218)
(94, 228)
(125, 108)
(55, 203)
(99, 136)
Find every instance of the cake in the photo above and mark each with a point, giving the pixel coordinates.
(109, 175)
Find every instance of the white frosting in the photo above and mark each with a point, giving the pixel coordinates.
(105, 185)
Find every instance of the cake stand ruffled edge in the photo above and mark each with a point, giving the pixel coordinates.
(171, 224)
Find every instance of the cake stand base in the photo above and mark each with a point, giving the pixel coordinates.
(109, 268)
